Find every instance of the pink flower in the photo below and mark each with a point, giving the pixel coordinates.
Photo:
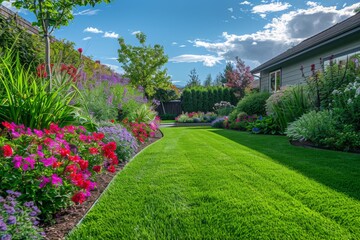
(48, 161)
(17, 160)
(80, 50)
(44, 180)
(29, 161)
(39, 133)
(7, 150)
(56, 180)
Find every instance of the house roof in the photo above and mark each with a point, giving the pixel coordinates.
(331, 34)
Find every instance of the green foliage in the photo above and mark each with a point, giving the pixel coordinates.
(345, 139)
(194, 80)
(12, 36)
(25, 99)
(223, 108)
(312, 126)
(264, 125)
(289, 104)
(251, 104)
(167, 116)
(144, 114)
(143, 65)
(346, 104)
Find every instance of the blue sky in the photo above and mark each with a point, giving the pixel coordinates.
(201, 34)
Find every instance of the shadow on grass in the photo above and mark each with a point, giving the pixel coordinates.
(337, 170)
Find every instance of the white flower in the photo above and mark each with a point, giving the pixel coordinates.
(349, 101)
(335, 92)
(357, 92)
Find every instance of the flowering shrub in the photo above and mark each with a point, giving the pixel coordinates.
(263, 125)
(63, 69)
(18, 221)
(141, 130)
(242, 121)
(223, 108)
(196, 117)
(53, 166)
(218, 123)
(126, 143)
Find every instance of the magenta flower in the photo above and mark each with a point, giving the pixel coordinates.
(29, 161)
(17, 160)
(48, 161)
(56, 180)
(39, 133)
(44, 180)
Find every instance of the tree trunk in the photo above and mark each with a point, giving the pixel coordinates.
(162, 104)
(47, 53)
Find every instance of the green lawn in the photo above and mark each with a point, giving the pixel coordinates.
(203, 183)
(167, 121)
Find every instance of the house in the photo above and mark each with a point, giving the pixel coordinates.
(335, 43)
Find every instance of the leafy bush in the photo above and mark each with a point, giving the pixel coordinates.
(167, 116)
(253, 104)
(313, 126)
(345, 139)
(49, 167)
(289, 104)
(242, 121)
(18, 221)
(223, 108)
(126, 143)
(218, 123)
(346, 104)
(196, 117)
(264, 125)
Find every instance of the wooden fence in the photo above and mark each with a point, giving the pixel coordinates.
(172, 107)
(7, 13)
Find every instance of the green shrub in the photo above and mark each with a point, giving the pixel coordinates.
(264, 125)
(167, 116)
(289, 104)
(346, 139)
(312, 126)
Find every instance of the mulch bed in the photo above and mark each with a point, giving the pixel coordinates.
(67, 219)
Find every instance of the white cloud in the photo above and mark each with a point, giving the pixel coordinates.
(246, 3)
(174, 81)
(312, 4)
(277, 36)
(262, 15)
(182, 46)
(233, 17)
(112, 58)
(86, 38)
(88, 12)
(271, 7)
(114, 68)
(92, 30)
(207, 60)
(174, 43)
(135, 32)
(231, 9)
(110, 35)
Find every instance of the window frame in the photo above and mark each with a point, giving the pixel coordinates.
(276, 86)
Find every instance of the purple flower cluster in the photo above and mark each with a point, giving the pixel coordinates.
(16, 220)
(126, 143)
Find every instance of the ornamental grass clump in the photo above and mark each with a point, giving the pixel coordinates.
(53, 167)
(18, 221)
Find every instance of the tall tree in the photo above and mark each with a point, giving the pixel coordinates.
(143, 65)
(194, 79)
(240, 78)
(52, 14)
(208, 81)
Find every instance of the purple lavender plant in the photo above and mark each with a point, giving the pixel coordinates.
(16, 220)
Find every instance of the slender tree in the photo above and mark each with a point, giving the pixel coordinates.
(143, 65)
(52, 14)
(208, 81)
(194, 79)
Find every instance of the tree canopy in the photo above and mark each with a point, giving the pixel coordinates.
(143, 65)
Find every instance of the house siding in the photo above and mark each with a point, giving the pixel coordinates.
(291, 73)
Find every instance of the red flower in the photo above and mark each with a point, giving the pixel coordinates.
(97, 168)
(83, 164)
(8, 125)
(79, 197)
(112, 120)
(93, 151)
(56, 164)
(64, 152)
(111, 169)
(80, 50)
(98, 136)
(7, 151)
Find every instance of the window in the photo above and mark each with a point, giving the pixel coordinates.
(275, 80)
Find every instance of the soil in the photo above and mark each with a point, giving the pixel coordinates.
(67, 219)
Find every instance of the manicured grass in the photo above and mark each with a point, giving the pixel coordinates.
(203, 183)
(167, 121)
